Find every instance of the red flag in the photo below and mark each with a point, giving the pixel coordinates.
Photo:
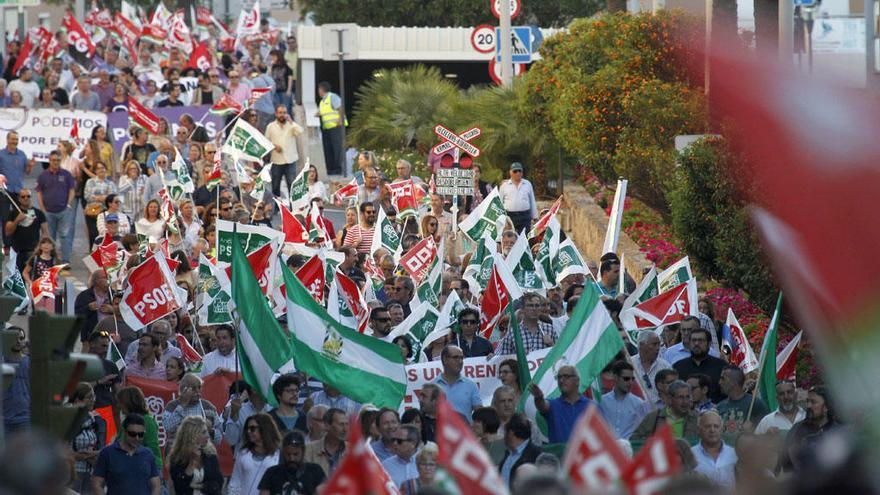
(158, 393)
(257, 93)
(403, 197)
(734, 339)
(463, 456)
(351, 295)
(226, 105)
(143, 117)
(204, 16)
(541, 225)
(348, 191)
(260, 261)
(24, 54)
(189, 352)
(200, 58)
(360, 470)
(128, 33)
(417, 261)
(74, 131)
(655, 463)
(593, 460)
(46, 284)
(495, 299)
(786, 360)
(109, 254)
(82, 48)
(151, 293)
(669, 307)
(294, 232)
(178, 35)
(312, 277)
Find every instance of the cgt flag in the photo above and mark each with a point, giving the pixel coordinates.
(151, 294)
(593, 460)
(80, 46)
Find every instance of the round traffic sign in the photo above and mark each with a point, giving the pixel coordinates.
(495, 70)
(515, 7)
(483, 38)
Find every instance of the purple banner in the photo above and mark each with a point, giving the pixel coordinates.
(117, 122)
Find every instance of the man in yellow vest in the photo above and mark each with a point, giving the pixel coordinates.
(332, 116)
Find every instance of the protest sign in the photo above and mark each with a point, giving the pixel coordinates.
(117, 122)
(39, 131)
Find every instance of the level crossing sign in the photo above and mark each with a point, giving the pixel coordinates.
(452, 140)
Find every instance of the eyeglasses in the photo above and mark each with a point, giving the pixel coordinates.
(399, 441)
(627, 378)
(468, 322)
(432, 465)
(382, 320)
(135, 434)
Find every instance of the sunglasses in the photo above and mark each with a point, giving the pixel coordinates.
(382, 320)
(225, 209)
(25, 196)
(627, 378)
(517, 171)
(135, 434)
(468, 322)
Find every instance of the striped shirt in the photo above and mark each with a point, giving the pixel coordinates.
(366, 235)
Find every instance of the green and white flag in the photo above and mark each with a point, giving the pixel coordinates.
(245, 142)
(646, 289)
(263, 347)
(547, 252)
(488, 218)
(417, 326)
(13, 283)
(447, 319)
(114, 356)
(677, 274)
(181, 175)
(385, 236)
(263, 180)
(211, 300)
(363, 368)
(588, 342)
(569, 261)
(252, 238)
(767, 384)
(299, 190)
(522, 265)
(242, 173)
(479, 269)
(612, 233)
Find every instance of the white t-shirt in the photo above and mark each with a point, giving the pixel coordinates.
(30, 91)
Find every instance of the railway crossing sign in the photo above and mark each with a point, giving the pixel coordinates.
(452, 140)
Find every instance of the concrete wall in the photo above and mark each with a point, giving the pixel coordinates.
(585, 223)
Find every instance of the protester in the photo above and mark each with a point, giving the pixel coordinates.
(520, 449)
(125, 466)
(190, 403)
(89, 440)
(789, 412)
(192, 461)
(623, 410)
(287, 415)
(715, 459)
(55, 191)
(402, 465)
(26, 228)
(260, 450)
(678, 414)
(329, 450)
(461, 392)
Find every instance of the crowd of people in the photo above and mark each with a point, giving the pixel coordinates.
(726, 438)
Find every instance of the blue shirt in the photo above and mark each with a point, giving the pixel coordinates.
(720, 470)
(562, 416)
(623, 414)
(512, 457)
(17, 398)
(12, 165)
(381, 451)
(400, 470)
(124, 473)
(55, 189)
(462, 394)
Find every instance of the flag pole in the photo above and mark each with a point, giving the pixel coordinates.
(236, 319)
(757, 382)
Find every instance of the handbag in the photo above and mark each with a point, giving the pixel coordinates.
(94, 209)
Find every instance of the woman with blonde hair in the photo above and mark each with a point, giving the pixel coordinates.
(426, 463)
(151, 224)
(431, 227)
(193, 463)
(131, 188)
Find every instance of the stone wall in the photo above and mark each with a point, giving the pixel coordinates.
(585, 222)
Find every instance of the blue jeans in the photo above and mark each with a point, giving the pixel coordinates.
(278, 172)
(285, 99)
(61, 229)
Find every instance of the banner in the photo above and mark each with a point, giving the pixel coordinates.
(151, 294)
(158, 394)
(477, 369)
(39, 131)
(117, 123)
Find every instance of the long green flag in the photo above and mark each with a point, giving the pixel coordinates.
(767, 384)
(361, 367)
(263, 347)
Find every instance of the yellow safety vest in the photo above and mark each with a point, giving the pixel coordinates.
(329, 115)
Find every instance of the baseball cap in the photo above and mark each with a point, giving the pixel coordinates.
(516, 166)
(111, 217)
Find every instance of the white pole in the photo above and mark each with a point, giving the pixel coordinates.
(504, 39)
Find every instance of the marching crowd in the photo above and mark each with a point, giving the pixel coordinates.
(726, 439)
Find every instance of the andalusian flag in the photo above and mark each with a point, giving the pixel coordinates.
(386, 236)
(767, 384)
(13, 283)
(489, 217)
(263, 347)
(299, 190)
(363, 368)
(114, 356)
(479, 269)
(589, 342)
(417, 326)
(522, 265)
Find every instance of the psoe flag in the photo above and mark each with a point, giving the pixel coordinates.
(151, 293)
(362, 367)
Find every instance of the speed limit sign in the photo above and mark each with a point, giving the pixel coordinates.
(515, 6)
(483, 38)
